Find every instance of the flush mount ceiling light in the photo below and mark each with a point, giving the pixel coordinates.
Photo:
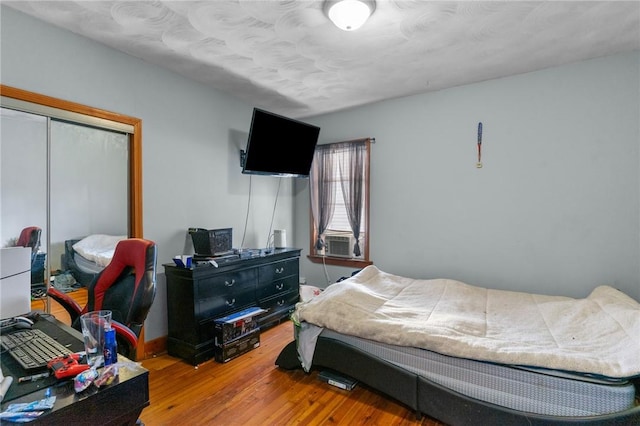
(349, 15)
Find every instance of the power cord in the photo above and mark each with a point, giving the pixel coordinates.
(326, 272)
(246, 218)
(270, 235)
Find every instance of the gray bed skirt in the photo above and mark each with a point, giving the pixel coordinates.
(463, 392)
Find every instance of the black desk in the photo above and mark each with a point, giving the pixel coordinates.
(117, 404)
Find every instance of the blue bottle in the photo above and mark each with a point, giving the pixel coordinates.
(110, 347)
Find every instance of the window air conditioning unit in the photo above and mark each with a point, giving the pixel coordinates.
(339, 245)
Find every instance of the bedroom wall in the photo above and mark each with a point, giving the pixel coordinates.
(191, 138)
(554, 209)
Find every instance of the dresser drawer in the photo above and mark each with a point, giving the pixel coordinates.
(280, 301)
(221, 294)
(222, 304)
(280, 285)
(277, 270)
(278, 307)
(225, 284)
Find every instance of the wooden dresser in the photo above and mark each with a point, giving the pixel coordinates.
(197, 296)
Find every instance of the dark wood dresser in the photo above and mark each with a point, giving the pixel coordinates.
(199, 295)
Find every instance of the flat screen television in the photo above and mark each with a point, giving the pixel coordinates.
(279, 146)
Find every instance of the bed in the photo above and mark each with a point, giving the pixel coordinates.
(470, 355)
(86, 257)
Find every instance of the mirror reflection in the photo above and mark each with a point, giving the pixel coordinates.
(68, 181)
(89, 197)
(23, 187)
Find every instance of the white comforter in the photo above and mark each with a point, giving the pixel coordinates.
(98, 248)
(599, 334)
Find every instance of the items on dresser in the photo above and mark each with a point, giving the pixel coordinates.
(196, 297)
(212, 242)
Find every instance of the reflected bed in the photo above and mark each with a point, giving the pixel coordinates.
(86, 257)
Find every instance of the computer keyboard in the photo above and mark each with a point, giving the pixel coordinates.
(33, 349)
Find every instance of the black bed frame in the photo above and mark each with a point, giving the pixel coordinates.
(69, 263)
(426, 397)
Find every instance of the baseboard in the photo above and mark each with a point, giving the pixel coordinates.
(155, 347)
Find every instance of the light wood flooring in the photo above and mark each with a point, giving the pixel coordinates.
(252, 390)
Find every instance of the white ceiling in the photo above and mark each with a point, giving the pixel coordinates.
(287, 57)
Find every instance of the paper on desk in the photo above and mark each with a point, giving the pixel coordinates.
(5, 383)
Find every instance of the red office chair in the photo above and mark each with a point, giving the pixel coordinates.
(126, 287)
(30, 237)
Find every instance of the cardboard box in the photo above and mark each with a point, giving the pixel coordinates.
(229, 351)
(235, 326)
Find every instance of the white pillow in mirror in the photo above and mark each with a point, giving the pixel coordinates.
(98, 248)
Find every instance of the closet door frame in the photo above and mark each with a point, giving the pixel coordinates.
(31, 102)
(58, 108)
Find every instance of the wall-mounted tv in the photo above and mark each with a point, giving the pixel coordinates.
(279, 146)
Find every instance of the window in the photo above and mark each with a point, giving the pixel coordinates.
(339, 192)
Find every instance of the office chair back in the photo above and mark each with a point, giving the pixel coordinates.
(30, 237)
(127, 285)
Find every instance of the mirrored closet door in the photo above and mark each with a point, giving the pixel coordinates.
(88, 182)
(67, 169)
(23, 174)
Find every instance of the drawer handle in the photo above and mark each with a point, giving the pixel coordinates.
(230, 283)
(279, 270)
(279, 286)
(281, 302)
(231, 302)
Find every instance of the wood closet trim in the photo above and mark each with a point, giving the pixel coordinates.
(135, 160)
(135, 144)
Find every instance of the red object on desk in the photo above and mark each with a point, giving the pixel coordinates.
(67, 366)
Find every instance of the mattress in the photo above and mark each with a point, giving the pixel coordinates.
(538, 391)
(98, 248)
(594, 335)
(86, 265)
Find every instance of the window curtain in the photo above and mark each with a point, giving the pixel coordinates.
(351, 163)
(321, 191)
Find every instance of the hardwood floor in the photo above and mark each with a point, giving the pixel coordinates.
(57, 310)
(252, 390)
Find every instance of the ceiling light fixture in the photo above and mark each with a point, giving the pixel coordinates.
(349, 15)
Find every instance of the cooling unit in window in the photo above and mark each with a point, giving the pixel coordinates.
(339, 245)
